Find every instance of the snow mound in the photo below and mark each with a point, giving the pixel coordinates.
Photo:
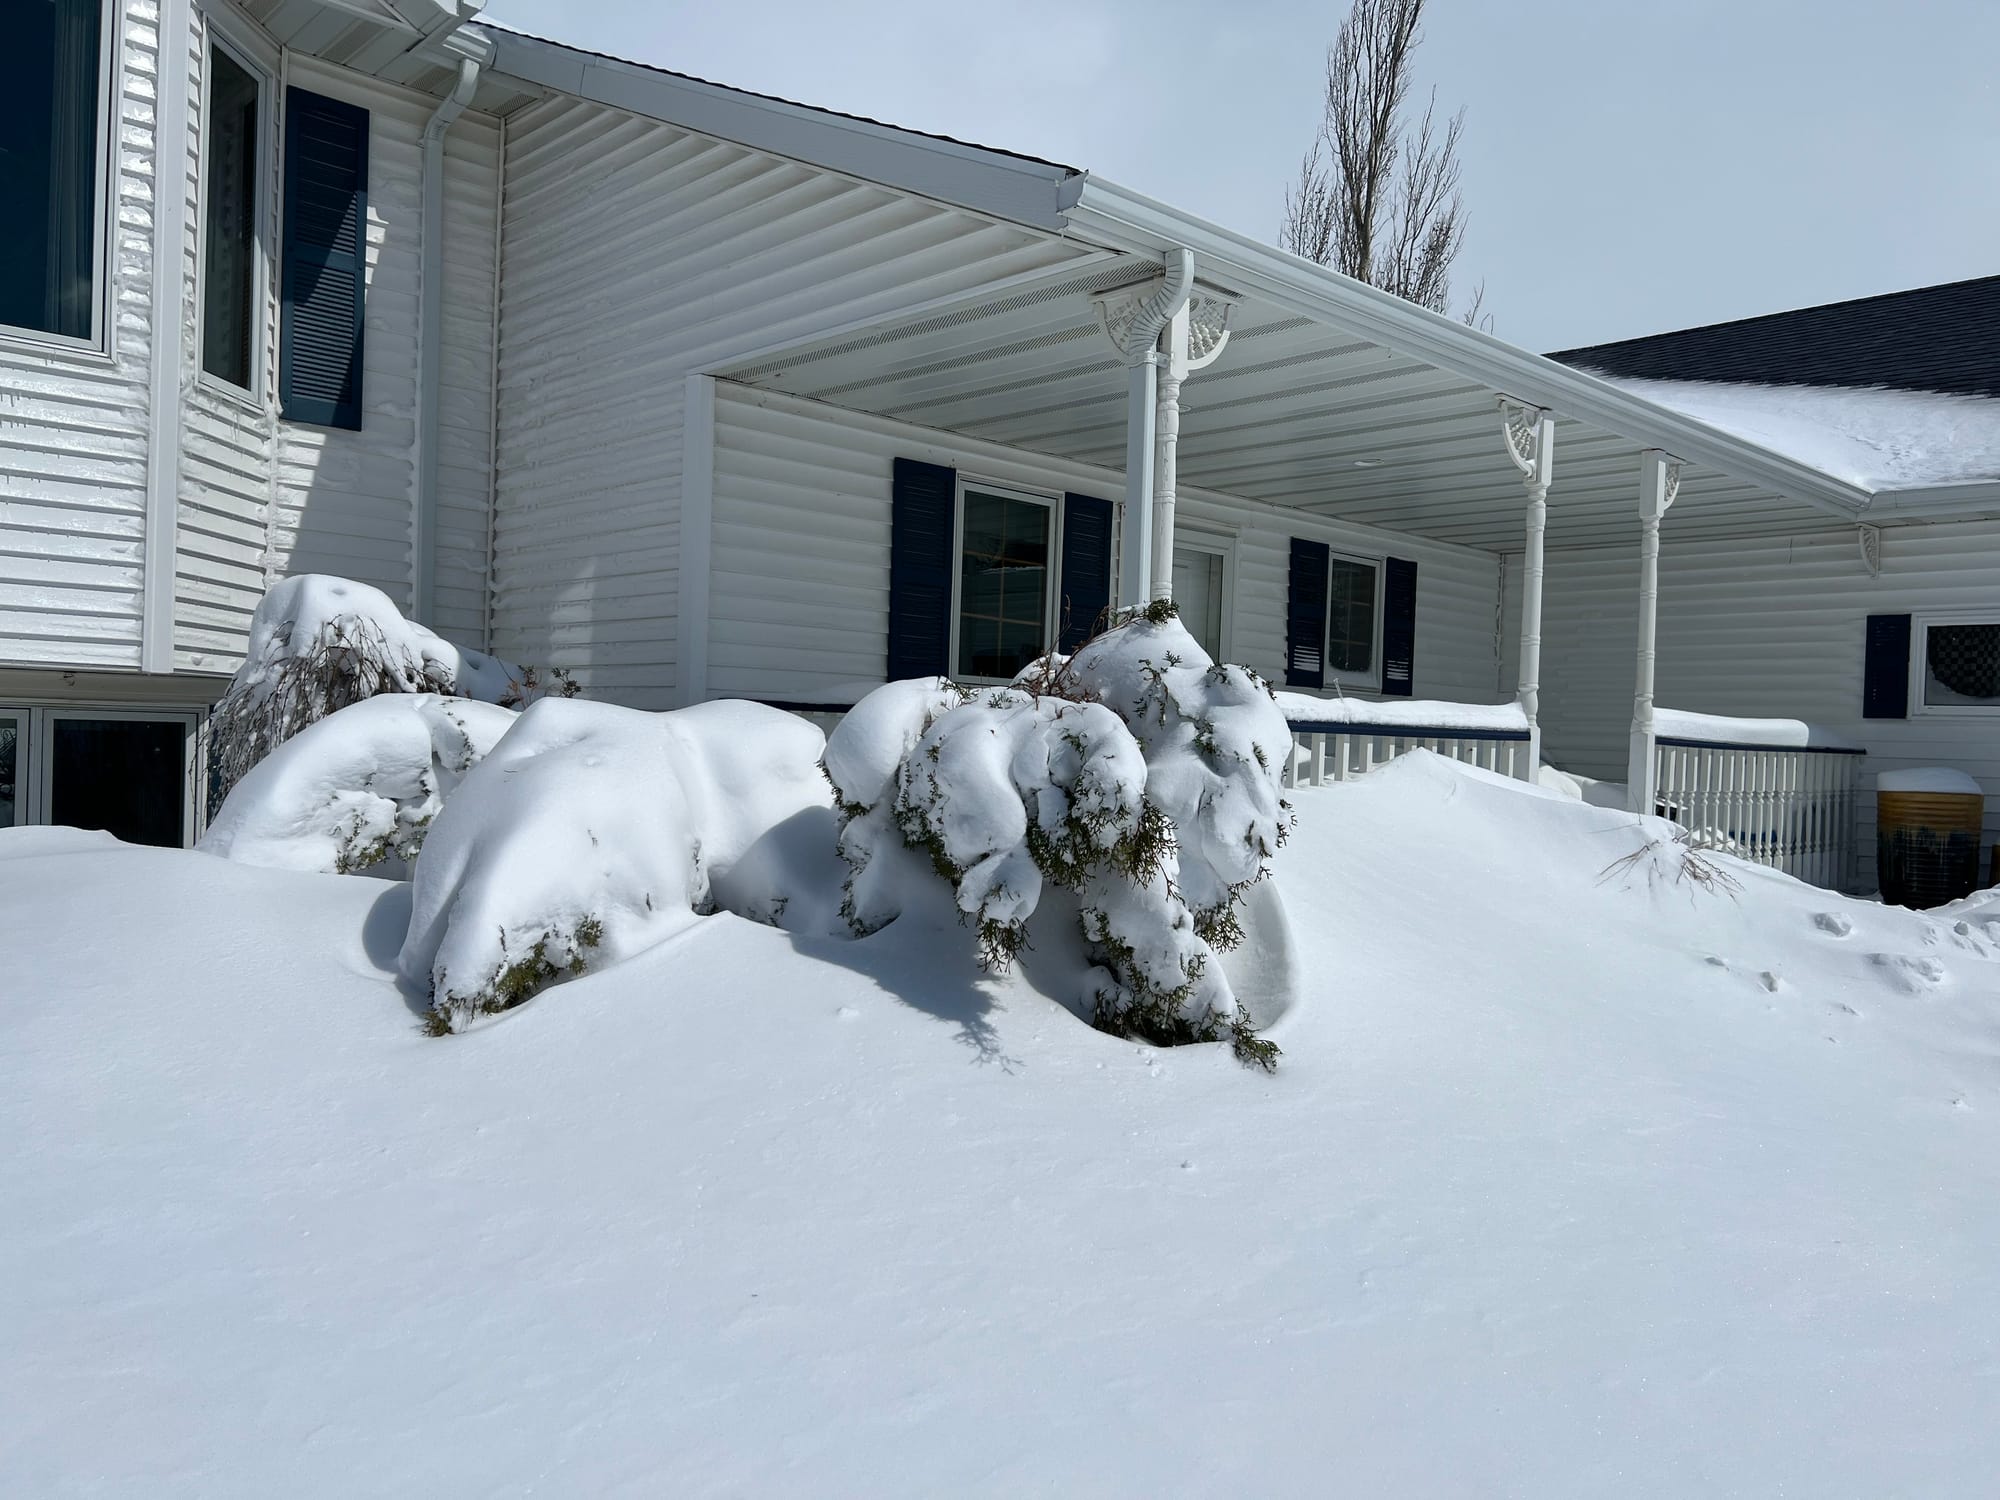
(1728, 729)
(1934, 779)
(357, 790)
(591, 833)
(1878, 439)
(1403, 713)
(302, 612)
(1137, 778)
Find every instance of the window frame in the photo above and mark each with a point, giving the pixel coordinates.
(1371, 680)
(1051, 594)
(1224, 547)
(110, 43)
(1920, 631)
(220, 34)
(35, 767)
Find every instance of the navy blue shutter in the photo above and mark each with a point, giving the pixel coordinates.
(1305, 614)
(1399, 628)
(323, 276)
(1885, 689)
(1086, 569)
(921, 516)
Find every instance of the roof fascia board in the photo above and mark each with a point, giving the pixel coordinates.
(1121, 219)
(1035, 194)
(1938, 501)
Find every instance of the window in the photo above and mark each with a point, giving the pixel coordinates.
(1198, 587)
(1958, 663)
(1002, 617)
(1352, 618)
(52, 86)
(229, 262)
(122, 770)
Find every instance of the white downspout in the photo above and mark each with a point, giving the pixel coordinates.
(169, 320)
(430, 344)
(1141, 346)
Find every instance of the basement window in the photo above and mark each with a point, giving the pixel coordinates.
(1958, 663)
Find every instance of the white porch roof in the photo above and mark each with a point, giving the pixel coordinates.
(1298, 411)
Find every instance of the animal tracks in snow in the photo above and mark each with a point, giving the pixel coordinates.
(1913, 976)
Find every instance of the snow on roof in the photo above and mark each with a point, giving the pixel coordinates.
(1878, 439)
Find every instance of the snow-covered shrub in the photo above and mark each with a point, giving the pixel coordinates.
(592, 833)
(1137, 776)
(863, 756)
(318, 644)
(356, 791)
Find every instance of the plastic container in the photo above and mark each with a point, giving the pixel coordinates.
(1927, 835)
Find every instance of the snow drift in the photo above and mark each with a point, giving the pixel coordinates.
(358, 790)
(1137, 777)
(591, 833)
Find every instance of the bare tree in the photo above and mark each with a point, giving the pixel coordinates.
(1376, 197)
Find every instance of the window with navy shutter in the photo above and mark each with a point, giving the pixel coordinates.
(1086, 568)
(324, 275)
(1305, 614)
(922, 516)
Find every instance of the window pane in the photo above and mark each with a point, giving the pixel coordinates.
(229, 226)
(1962, 665)
(1198, 594)
(11, 729)
(1350, 617)
(48, 165)
(1003, 585)
(127, 776)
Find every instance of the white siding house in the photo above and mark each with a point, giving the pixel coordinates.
(696, 393)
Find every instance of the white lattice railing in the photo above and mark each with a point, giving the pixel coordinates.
(1790, 808)
(1324, 752)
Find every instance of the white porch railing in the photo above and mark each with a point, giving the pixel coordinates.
(1790, 808)
(1324, 752)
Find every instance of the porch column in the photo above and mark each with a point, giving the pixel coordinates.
(1192, 340)
(1134, 321)
(1530, 432)
(1135, 562)
(1659, 481)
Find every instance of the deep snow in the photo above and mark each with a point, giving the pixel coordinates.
(1569, 1184)
(1878, 439)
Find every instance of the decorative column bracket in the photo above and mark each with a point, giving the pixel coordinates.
(1192, 337)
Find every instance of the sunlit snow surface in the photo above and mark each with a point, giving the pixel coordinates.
(1878, 439)
(1577, 1179)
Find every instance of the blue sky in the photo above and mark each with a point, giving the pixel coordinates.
(1630, 165)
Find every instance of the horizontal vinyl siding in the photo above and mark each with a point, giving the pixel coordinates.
(635, 254)
(261, 497)
(73, 428)
(1771, 627)
(799, 577)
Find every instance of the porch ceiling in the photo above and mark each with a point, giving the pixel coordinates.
(1295, 413)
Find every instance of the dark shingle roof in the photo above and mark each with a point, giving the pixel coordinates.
(1934, 338)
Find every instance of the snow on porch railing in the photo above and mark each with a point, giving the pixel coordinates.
(1738, 786)
(1338, 739)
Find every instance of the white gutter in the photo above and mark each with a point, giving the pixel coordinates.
(1976, 497)
(169, 328)
(430, 342)
(1119, 219)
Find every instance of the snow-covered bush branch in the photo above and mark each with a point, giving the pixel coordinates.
(318, 644)
(356, 792)
(1138, 776)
